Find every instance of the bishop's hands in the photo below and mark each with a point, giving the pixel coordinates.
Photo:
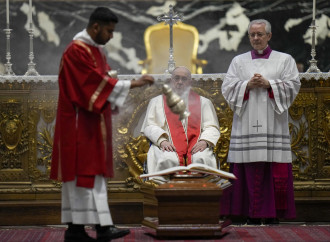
(258, 81)
(166, 145)
(201, 145)
(143, 80)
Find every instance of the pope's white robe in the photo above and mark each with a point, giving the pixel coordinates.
(260, 129)
(156, 129)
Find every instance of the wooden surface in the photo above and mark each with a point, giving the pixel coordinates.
(188, 206)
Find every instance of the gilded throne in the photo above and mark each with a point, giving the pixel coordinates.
(185, 46)
(132, 147)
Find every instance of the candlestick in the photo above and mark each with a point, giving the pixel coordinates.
(8, 69)
(31, 65)
(30, 13)
(313, 67)
(314, 9)
(7, 13)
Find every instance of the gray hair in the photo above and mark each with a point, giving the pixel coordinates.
(268, 27)
(182, 67)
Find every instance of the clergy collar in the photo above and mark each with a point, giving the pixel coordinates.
(262, 54)
(86, 38)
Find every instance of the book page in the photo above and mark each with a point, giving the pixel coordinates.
(166, 171)
(196, 167)
(210, 170)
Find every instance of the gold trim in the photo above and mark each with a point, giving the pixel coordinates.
(96, 94)
(82, 44)
(104, 133)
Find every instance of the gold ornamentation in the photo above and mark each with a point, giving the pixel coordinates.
(48, 112)
(326, 121)
(11, 131)
(323, 140)
(298, 136)
(13, 142)
(27, 116)
(28, 110)
(45, 146)
(296, 112)
(303, 132)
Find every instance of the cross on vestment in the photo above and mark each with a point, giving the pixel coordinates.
(171, 18)
(257, 126)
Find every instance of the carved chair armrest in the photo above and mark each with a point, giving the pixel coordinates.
(200, 63)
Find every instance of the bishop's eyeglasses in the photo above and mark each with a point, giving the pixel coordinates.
(182, 78)
(258, 34)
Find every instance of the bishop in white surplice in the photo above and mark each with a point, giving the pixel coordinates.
(260, 126)
(260, 86)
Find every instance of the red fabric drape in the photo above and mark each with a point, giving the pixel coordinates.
(182, 142)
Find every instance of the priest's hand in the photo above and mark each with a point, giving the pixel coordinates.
(143, 80)
(199, 146)
(166, 145)
(258, 81)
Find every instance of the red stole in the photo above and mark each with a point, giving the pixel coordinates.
(182, 142)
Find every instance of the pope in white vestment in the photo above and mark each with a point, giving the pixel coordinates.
(175, 142)
(259, 87)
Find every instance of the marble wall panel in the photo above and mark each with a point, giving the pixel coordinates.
(222, 26)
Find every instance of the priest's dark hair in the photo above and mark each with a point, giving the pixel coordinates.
(102, 15)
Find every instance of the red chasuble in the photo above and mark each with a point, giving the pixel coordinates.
(82, 140)
(185, 142)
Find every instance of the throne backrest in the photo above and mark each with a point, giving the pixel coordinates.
(157, 43)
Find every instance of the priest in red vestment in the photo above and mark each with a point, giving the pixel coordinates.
(82, 150)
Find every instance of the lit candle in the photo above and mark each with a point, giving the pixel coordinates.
(30, 12)
(7, 8)
(314, 8)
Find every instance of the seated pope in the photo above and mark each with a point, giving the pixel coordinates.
(176, 142)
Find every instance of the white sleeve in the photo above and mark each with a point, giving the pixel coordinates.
(233, 88)
(286, 87)
(119, 93)
(210, 130)
(153, 126)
